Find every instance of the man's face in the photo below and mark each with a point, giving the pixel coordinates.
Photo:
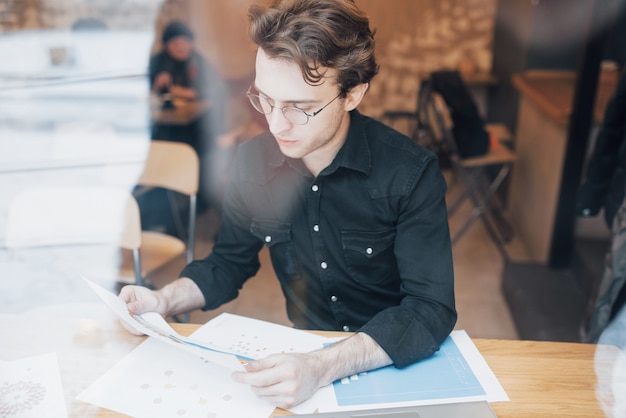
(179, 48)
(282, 83)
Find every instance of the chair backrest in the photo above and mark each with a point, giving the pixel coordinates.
(54, 216)
(171, 165)
(175, 166)
(439, 122)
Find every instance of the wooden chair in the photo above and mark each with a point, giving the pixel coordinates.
(477, 183)
(66, 216)
(414, 122)
(173, 166)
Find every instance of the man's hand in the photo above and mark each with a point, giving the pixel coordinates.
(140, 299)
(284, 380)
(182, 295)
(163, 80)
(287, 380)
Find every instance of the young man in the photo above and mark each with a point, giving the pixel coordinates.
(353, 212)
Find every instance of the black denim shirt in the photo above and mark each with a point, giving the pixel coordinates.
(365, 246)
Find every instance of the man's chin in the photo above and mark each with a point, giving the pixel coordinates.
(290, 148)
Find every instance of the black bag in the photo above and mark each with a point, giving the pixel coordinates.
(469, 132)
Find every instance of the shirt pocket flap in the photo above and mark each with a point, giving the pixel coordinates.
(271, 232)
(369, 244)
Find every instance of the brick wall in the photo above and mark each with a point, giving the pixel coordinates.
(414, 37)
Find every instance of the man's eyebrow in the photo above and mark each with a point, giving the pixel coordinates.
(301, 101)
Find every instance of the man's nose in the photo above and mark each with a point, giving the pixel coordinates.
(277, 121)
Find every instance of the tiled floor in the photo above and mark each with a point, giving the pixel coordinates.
(477, 264)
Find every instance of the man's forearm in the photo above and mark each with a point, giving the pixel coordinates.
(353, 355)
(180, 296)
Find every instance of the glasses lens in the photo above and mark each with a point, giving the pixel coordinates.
(260, 104)
(295, 115)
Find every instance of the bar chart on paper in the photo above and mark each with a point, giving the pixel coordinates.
(446, 374)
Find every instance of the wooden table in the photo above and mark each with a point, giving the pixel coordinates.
(542, 379)
(183, 112)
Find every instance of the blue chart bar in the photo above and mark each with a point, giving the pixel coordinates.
(444, 375)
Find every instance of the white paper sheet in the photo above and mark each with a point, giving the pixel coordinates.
(157, 380)
(31, 388)
(153, 324)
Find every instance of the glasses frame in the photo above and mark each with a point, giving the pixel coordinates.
(252, 96)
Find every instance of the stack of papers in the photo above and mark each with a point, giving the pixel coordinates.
(171, 375)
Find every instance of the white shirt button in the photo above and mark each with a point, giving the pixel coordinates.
(346, 328)
(268, 238)
(324, 265)
(369, 250)
(315, 187)
(333, 298)
(316, 228)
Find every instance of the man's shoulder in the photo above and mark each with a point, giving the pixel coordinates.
(383, 139)
(159, 56)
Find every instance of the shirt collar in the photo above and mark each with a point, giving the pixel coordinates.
(354, 154)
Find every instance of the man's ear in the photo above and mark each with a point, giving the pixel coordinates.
(354, 96)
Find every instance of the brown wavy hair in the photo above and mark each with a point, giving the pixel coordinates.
(317, 34)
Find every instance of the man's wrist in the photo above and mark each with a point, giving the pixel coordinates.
(353, 355)
(180, 296)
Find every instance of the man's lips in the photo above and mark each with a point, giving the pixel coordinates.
(285, 141)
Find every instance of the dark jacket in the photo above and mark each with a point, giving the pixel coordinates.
(605, 182)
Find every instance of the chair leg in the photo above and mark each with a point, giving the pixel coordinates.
(455, 204)
(481, 197)
(491, 205)
(137, 267)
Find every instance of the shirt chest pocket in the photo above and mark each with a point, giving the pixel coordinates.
(370, 256)
(277, 237)
(271, 232)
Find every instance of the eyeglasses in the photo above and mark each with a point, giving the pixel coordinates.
(293, 114)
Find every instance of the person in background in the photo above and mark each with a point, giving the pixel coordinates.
(604, 187)
(353, 212)
(178, 69)
(180, 73)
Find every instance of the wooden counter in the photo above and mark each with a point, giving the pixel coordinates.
(553, 92)
(540, 142)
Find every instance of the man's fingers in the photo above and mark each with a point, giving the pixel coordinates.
(261, 373)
